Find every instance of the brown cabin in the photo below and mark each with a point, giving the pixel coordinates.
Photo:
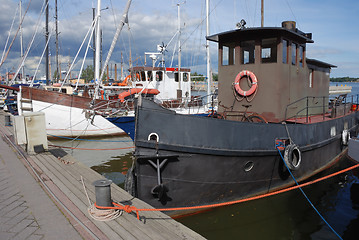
(277, 57)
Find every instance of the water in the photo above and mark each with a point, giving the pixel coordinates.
(284, 216)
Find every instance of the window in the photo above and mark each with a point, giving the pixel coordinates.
(247, 52)
(285, 51)
(311, 75)
(143, 76)
(149, 76)
(294, 54)
(176, 77)
(301, 55)
(185, 77)
(227, 55)
(269, 50)
(159, 76)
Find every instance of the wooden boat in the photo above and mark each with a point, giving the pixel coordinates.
(185, 160)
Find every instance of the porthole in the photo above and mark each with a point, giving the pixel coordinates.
(248, 166)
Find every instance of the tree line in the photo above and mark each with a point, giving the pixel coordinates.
(344, 79)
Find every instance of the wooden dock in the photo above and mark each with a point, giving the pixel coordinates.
(61, 179)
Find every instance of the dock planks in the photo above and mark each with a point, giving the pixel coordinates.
(64, 181)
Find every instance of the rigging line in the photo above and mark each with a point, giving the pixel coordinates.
(320, 215)
(8, 37)
(30, 43)
(84, 59)
(292, 12)
(78, 52)
(13, 40)
(38, 65)
(185, 40)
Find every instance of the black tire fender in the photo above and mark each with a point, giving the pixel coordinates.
(292, 156)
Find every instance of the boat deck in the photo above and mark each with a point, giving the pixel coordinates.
(314, 118)
(61, 177)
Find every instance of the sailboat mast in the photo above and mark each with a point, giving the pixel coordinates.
(57, 44)
(98, 42)
(46, 40)
(262, 13)
(209, 76)
(21, 43)
(179, 46)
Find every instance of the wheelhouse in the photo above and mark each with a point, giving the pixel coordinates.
(277, 58)
(171, 83)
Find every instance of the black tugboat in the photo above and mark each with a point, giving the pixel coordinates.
(270, 97)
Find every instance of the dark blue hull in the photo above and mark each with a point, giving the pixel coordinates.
(126, 123)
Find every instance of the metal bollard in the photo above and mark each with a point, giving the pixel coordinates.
(103, 193)
(8, 120)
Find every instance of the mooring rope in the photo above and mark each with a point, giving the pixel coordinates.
(129, 208)
(305, 195)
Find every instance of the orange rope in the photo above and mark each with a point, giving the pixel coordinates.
(129, 208)
(97, 149)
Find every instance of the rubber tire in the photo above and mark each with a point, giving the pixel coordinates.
(292, 156)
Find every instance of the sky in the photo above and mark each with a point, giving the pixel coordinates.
(151, 22)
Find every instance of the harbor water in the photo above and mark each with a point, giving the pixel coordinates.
(284, 216)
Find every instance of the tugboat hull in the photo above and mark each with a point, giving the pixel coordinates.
(216, 160)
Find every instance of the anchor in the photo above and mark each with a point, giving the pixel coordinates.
(160, 190)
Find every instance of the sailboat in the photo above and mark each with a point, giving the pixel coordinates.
(72, 115)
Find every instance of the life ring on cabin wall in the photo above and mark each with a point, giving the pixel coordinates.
(253, 79)
(292, 156)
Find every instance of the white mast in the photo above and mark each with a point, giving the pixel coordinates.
(21, 43)
(179, 45)
(209, 75)
(98, 42)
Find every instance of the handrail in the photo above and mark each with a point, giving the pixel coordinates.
(340, 100)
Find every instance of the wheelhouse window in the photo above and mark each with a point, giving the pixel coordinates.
(185, 77)
(247, 52)
(294, 54)
(149, 76)
(143, 75)
(159, 76)
(285, 51)
(269, 50)
(301, 56)
(176, 77)
(227, 55)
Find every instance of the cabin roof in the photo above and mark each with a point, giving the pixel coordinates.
(319, 63)
(261, 32)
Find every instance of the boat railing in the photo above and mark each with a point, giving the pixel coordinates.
(322, 105)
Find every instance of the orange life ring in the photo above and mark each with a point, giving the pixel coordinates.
(252, 77)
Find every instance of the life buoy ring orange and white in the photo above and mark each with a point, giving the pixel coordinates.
(253, 79)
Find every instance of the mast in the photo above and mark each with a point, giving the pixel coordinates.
(57, 44)
(94, 41)
(262, 13)
(46, 40)
(179, 47)
(21, 43)
(97, 44)
(209, 76)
